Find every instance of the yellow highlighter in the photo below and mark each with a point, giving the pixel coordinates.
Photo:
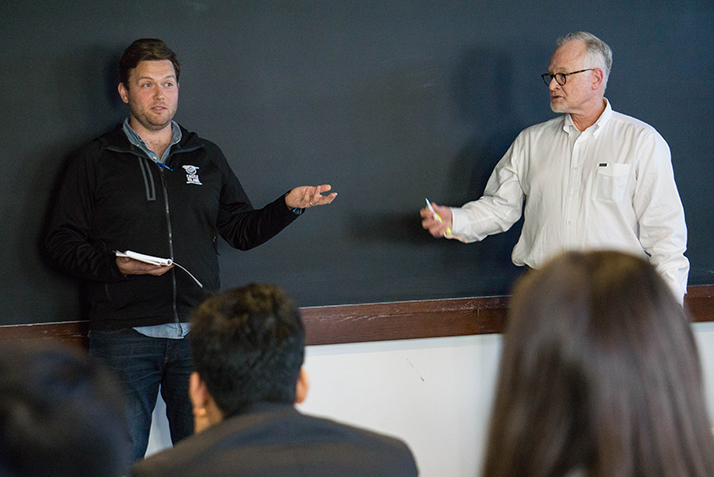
(436, 216)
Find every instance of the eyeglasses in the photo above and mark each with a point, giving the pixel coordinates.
(560, 78)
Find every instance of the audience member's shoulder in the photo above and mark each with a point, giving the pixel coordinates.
(163, 463)
(389, 451)
(324, 445)
(183, 457)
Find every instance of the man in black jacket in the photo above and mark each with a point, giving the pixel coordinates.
(249, 346)
(152, 187)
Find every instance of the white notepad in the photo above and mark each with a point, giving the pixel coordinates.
(145, 258)
(164, 262)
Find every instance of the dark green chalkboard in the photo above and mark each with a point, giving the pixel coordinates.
(389, 101)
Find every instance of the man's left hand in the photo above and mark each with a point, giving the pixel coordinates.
(309, 196)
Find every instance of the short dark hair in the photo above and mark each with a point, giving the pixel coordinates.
(599, 372)
(145, 49)
(61, 413)
(248, 345)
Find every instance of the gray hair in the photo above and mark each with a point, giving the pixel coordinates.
(597, 55)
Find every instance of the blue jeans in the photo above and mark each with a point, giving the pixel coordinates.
(142, 364)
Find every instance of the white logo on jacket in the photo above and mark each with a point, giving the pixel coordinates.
(191, 176)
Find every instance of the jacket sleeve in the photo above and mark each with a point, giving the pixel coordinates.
(238, 223)
(68, 239)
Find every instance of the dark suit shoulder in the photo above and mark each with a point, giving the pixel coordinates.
(283, 442)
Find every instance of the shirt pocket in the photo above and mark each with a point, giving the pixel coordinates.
(611, 181)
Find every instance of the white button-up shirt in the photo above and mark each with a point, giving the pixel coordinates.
(609, 187)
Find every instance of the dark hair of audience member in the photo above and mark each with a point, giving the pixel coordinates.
(61, 414)
(599, 375)
(145, 49)
(248, 345)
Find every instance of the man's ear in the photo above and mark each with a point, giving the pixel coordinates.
(302, 386)
(598, 77)
(123, 92)
(197, 391)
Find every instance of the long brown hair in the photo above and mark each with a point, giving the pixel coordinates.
(599, 374)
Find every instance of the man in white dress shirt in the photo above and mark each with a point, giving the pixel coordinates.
(591, 178)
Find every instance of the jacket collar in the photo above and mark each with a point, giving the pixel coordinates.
(117, 141)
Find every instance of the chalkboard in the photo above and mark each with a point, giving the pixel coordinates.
(389, 101)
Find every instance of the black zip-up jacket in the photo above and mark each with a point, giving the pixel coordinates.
(113, 197)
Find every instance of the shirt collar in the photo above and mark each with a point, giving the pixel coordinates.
(136, 140)
(569, 126)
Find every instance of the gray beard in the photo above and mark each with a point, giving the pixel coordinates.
(558, 109)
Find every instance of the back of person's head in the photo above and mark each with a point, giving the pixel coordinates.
(61, 414)
(599, 374)
(145, 49)
(248, 346)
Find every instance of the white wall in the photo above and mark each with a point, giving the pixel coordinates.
(433, 393)
(704, 334)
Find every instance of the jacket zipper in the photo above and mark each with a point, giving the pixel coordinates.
(171, 243)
